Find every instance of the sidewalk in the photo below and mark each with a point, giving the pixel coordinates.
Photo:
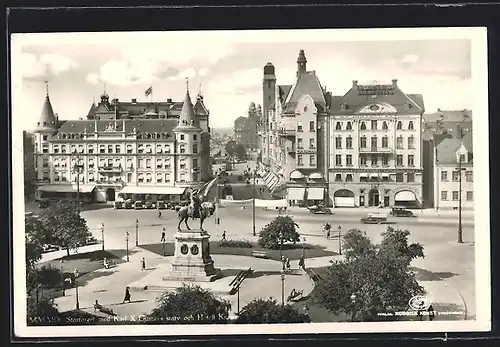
(363, 210)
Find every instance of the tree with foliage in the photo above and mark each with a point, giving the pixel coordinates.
(356, 244)
(395, 241)
(35, 237)
(282, 229)
(230, 148)
(379, 277)
(65, 225)
(269, 311)
(190, 304)
(41, 310)
(240, 151)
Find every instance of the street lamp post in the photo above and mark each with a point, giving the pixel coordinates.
(304, 248)
(102, 235)
(253, 206)
(353, 301)
(62, 277)
(460, 169)
(137, 232)
(283, 287)
(163, 242)
(281, 244)
(77, 169)
(126, 240)
(76, 273)
(340, 240)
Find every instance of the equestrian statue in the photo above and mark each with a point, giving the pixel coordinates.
(195, 209)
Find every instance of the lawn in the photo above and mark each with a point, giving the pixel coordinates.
(292, 252)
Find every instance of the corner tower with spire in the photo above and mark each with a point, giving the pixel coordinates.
(188, 145)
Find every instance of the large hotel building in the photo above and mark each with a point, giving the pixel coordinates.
(123, 149)
(360, 149)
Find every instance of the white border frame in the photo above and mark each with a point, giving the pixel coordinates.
(482, 322)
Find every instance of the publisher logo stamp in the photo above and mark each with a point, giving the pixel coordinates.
(419, 303)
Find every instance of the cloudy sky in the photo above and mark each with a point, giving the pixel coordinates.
(229, 67)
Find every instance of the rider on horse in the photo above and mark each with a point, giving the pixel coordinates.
(194, 206)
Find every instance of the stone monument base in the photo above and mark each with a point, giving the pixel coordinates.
(192, 261)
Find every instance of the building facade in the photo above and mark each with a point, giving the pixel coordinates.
(454, 172)
(124, 156)
(360, 149)
(245, 128)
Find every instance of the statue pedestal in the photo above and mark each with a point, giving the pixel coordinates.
(192, 261)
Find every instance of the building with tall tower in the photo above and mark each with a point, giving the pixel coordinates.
(360, 149)
(118, 153)
(245, 128)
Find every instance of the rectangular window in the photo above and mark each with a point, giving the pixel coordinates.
(363, 142)
(141, 163)
(455, 195)
(311, 126)
(102, 149)
(166, 148)
(411, 160)
(159, 163)
(91, 163)
(45, 148)
(195, 163)
(374, 160)
(338, 177)
(140, 179)
(44, 137)
(129, 177)
(91, 177)
(129, 149)
(56, 177)
(182, 137)
(56, 149)
(338, 142)
(299, 126)
(385, 142)
(468, 176)
(444, 195)
(399, 177)
(63, 149)
(182, 149)
(91, 149)
(73, 148)
(470, 195)
(195, 138)
(455, 176)
(374, 142)
(385, 161)
(399, 160)
(63, 177)
(148, 178)
(195, 149)
(311, 143)
(110, 148)
(148, 163)
(348, 142)
(182, 177)
(312, 160)
(348, 160)
(410, 177)
(444, 176)
(300, 161)
(148, 149)
(362, 160)
(338, 160)
(462, 158)
(399, 142)
(374, 125)
(300, 144)
(411, 142)
(159, 178)
(140, 149)
(117, 149)
(182, 165)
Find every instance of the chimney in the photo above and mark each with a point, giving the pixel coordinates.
(394, 83)
(115, 101)
(134, 100)
(169, 101)
(354, 83)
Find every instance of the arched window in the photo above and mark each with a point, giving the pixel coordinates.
(384, 126)
(410, 125)
(348, 178)
(399, 125)
(338, 126)
(363, 126)
(349, 126)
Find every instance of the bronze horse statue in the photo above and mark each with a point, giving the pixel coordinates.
(196, 209)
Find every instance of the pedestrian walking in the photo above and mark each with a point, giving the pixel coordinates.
(163, 234)
(283, 262)
(159, 214)
(302, 264)
(143, 264)
(288, 267)
(224, 235)
(127, 295)
(328, 235)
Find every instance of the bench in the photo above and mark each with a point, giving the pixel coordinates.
(295, 295)
(259, 254)
(111, 263)
(103, 309)
(313, 275)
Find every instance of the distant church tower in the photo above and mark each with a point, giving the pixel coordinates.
(188, 142)
(268, 88)
(45, 128)
(301, 63)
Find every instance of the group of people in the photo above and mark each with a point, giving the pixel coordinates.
(285, 262)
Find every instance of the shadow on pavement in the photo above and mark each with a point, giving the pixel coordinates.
(426, 275)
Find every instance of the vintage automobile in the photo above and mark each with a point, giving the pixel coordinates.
(160, 205)
(318, 209)
(374, 218)
(128, 204)
(401, 211)
(43, 203)
(149, 205)
(118, 205)
(138, 205)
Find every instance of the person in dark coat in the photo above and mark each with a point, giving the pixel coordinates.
(163, 234)
(143, 264)
(127, 295)
(302, 263)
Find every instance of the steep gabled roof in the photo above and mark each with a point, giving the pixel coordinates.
(199, 107)
(447, 146)
(47, 116)
(284, 90)
(451, 116)
(307, 83)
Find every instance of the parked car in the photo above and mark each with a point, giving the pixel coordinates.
(161, 205)
(149, 205)
(128, 204)
(118, 205)
(138, 205)
(374, 218)
(43, 203)
(401, 211)
(318, 209)
(50, 248)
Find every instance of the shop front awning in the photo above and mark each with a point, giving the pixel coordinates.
(67, 188)
(363, 175)
(296, 175)
(315, 175)
(153, 190)
(374, 175)
(405, 195)
(385, 175)
(296, 193)
(315, 193)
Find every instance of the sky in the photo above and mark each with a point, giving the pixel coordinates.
(227, 66)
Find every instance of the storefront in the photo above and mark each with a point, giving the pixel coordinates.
(315, 195)
(84, 192)
(153, 193)
(344, 198)
(296, 196)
